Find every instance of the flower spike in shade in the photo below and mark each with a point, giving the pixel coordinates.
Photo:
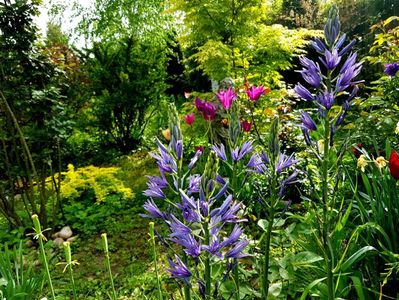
(255, 92)
(394, 164)
(391, 69)
(227, 97)
(189, 118)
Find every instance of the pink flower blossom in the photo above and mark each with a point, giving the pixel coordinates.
(227, 97)
(255, 92)
(246, 125)
(189, 118)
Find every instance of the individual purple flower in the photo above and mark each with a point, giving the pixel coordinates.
(326, 99)
(214, 246)
(286, 182)
(310, 72)
(194, 182)
(236, 251)
(318, 45)
(391, 69)
(234, 236)
(154, 192)
(307, 121)
(284, 162)
(331, 60)
(177, 228)
(189, 243)
(306, 136)
(208, 109)
(179, 270)
(237, 154)
(303, 92)
(194, 159)
(220, 151)
(153, 210)
(348, 72)
(255, 92)
(227, 97)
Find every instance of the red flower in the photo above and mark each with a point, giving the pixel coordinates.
(246, 125)
(394, 164)
(189, 118)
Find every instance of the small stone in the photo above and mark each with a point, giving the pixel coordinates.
(58, 242)
(65, 232)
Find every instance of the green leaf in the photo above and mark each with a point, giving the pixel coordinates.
(305, 258)
(358, 255)
(310, 286)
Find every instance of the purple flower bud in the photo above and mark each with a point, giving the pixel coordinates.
(238, 154)
(308, 122)
(340, 42)
(303, 92)
(347, 48)
(306, 136)
(318, 45)
(194, 183)
(194, 160)
(154, 192)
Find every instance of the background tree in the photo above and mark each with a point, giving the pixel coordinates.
(32, 116)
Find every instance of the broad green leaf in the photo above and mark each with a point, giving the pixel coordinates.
(358, 255)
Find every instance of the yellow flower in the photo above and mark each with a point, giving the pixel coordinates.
(362, 162)
(320, 146)
(380, 162)
(397, 128)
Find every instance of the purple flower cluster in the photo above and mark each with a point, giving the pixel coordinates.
(337, 77)
(237, 153)
(201, 207)
(261, 164)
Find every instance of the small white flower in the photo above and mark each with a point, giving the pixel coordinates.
(397, 128)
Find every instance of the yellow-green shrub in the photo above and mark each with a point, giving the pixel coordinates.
(102, 180)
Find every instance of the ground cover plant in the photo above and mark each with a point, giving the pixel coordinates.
(199, 150)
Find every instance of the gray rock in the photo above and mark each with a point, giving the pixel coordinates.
(72, 238)
(65, 233)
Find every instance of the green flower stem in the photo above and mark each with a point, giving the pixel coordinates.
(154, 253)
(208, 268)
(187, 289)
(235, 269)
(326, 204)
(41, 237)
(68, 258)
(106, 251)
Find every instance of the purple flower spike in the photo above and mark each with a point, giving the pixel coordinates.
(227, 97)
(152, 210)
(284, 162)
(391, 69)
(308, 122)
(220, 151)
(179, 270)
(255, 92)
(237, 249)
(332, 59)
(303, 92)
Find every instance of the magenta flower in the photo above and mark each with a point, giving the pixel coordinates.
(227, 97)
(189, 118)
(255, 92)
(246, 125)
(208, 109)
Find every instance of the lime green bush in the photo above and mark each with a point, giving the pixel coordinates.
(103, 181)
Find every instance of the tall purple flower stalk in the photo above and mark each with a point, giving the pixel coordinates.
(334, 79)
(197, 210)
